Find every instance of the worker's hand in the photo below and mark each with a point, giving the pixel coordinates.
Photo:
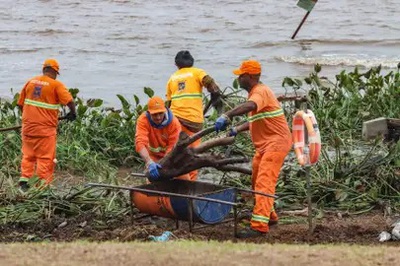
(70, 116)
(221, 122)
(153, 171)
(232, 132)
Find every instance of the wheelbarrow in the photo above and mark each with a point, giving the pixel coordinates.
(182, 200)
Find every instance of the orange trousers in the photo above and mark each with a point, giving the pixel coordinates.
(192, 175)
(38, 152)
(266, 168)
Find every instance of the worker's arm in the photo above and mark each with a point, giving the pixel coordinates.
(144, 153)
(212, 87)
(241, 109)
(142, 139)
(72, 111)
(226, 119)
(243, 127)
(168, 95)
(21, 99)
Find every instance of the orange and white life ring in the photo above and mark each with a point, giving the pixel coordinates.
(306, 121)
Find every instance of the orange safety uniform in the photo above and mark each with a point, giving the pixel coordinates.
(40, 98)
(158, 141)
(185, 91)
(272, 140)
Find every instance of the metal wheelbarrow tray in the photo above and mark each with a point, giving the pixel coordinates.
(192, 201)
(199, 209)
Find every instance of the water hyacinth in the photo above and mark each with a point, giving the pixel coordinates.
(352, 174)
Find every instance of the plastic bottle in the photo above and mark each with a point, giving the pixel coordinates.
(162, 238)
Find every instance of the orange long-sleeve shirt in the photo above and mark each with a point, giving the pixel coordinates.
(158, 141)
(268, 126)
(41, 98)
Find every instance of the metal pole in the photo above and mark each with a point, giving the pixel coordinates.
(190, 209)
(131, 203)
(306, 170)
(235, 221)
(257, 192)
(300, 25)
(309, 201)
(162, 193)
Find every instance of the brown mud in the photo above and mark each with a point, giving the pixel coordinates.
(333, 227)
(361, 229)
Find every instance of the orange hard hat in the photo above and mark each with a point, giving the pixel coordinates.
(251, 67)
(53, 64)
(156, 105)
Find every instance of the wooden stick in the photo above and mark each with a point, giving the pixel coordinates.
(10, 128)
(18, 127)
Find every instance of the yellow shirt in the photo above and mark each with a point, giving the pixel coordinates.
(185, 91)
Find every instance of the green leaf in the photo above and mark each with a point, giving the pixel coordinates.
(235, 84)
(74, 92)
(124, 102)
(287, 81)
(149, 92)
(94, 102)
(317, 68)
(136, 98)
(82, 110)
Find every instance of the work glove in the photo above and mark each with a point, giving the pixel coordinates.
(153, 171)
(232, 132)
(221, 123)
(70, 116)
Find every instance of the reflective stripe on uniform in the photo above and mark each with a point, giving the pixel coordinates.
(187, 96)
(42, 104)
(23, 179)
(259, 218)
(262, 115)
(158, 149)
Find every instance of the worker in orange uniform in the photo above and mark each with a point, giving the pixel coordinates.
(271, 137)
(185, 96)
(157, 131)
(40, 100)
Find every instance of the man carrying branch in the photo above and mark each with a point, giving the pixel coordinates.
(185, 95)
(272, 140)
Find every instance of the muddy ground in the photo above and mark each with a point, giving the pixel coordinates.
(333, 227)
(361, 229)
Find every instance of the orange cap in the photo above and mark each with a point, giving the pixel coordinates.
(251, 67)
(52, 63)
(156, 105)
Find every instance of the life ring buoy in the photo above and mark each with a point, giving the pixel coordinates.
(307, 119)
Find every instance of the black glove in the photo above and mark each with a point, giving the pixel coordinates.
(70, 116)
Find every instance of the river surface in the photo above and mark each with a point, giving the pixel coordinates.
(118, 47)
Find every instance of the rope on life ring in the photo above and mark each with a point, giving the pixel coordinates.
(307, 119)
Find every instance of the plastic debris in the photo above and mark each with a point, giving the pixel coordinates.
(63, 224)
(162, 238)
(384, 236)
(396, 231)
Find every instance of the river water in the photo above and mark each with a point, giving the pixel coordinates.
(118, 47)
